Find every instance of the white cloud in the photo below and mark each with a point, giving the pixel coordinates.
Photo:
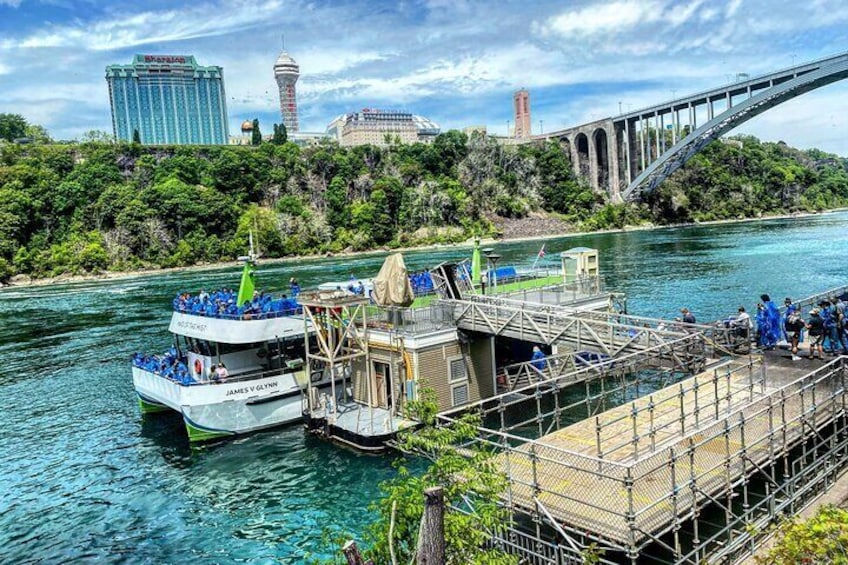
(456, 61)
(129, 30)
(731, 8)
(603, 18)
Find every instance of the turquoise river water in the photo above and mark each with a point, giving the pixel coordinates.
(84, 478)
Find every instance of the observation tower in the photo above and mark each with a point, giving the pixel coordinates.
(286, 72)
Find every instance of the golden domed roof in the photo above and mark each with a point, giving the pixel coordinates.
(247, 125)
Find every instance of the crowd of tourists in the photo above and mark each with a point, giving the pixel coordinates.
(422, 283)
(171, 365)
(222, 303)
(826, 326)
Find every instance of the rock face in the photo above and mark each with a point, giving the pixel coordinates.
(20, 279)
(536, 224)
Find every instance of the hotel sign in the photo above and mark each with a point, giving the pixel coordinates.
(164, 59)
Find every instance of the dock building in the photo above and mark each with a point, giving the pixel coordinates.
(632, 439)
(168, 99)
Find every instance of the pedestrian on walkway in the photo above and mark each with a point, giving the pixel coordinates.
(794, 325)
(815, 326)
(768, 323)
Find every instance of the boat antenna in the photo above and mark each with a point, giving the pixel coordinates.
(251, 257)
(247, 284)
(258, 251)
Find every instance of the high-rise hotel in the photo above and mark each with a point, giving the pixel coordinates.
(168, 99)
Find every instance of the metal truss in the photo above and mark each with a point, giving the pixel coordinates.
(683, 150)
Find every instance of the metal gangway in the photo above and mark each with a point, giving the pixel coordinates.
(609, 333)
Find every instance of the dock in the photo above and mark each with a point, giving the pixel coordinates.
(691, 472)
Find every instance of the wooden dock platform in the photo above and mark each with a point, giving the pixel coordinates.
(631, 473)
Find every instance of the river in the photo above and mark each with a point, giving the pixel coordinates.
(85, 478)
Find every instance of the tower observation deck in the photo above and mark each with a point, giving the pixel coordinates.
(286, 72)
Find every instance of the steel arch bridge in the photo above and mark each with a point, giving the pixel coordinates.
(682, 151)
(631, 154)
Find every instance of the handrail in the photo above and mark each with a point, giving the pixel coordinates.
(245, 317)
(238, 377)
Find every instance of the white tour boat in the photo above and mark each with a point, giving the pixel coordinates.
(261, 346)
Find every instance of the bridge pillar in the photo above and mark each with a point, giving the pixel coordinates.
(593, 160)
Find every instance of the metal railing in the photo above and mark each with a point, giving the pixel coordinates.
(568, 292)
(245, 317)
(628, 490)
(232, 378)
(410, 321)
(548, 324)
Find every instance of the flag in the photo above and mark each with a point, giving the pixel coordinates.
(539, 255)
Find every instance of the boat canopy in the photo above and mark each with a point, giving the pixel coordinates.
(236, 331)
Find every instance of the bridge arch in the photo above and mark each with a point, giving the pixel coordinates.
(601, 142)
(581, 145)
(565, 146)
(715, 127)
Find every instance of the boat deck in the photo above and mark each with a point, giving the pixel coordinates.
(631, 471)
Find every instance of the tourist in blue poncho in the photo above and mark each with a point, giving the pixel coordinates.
(538, 360)
(768, 323)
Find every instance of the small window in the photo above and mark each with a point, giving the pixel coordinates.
(459, 395)
(456, 366)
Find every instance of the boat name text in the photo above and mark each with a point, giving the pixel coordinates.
(252, 388)
(189, 325)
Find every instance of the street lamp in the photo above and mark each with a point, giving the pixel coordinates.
(493, 258)
(486, 251)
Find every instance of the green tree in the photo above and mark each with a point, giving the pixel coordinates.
(136, 136)
(338, 211)
(12, 126)
(97, 136)
(465, 472)
(382, 228)
(256, 136)
(820, 539)
(280, 134)
(38, 134)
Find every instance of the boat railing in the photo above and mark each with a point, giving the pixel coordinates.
(548, 289)
(204, 380)
(245, 317)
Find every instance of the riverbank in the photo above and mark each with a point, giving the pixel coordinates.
(19, 281)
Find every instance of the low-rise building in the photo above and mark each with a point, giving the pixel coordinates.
(381, 128)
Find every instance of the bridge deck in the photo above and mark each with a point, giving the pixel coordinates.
(630, 473)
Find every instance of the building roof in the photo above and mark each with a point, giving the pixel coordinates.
(286, 65)
(425, 126)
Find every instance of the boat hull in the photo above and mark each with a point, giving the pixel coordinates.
(213, 411)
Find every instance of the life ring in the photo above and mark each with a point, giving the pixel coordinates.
(198, 367)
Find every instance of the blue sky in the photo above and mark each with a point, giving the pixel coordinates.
(454, 61)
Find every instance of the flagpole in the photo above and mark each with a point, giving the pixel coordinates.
(541, 253)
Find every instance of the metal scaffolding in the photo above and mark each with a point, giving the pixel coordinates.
(690, 473)
(539, 323)
(341, 331)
